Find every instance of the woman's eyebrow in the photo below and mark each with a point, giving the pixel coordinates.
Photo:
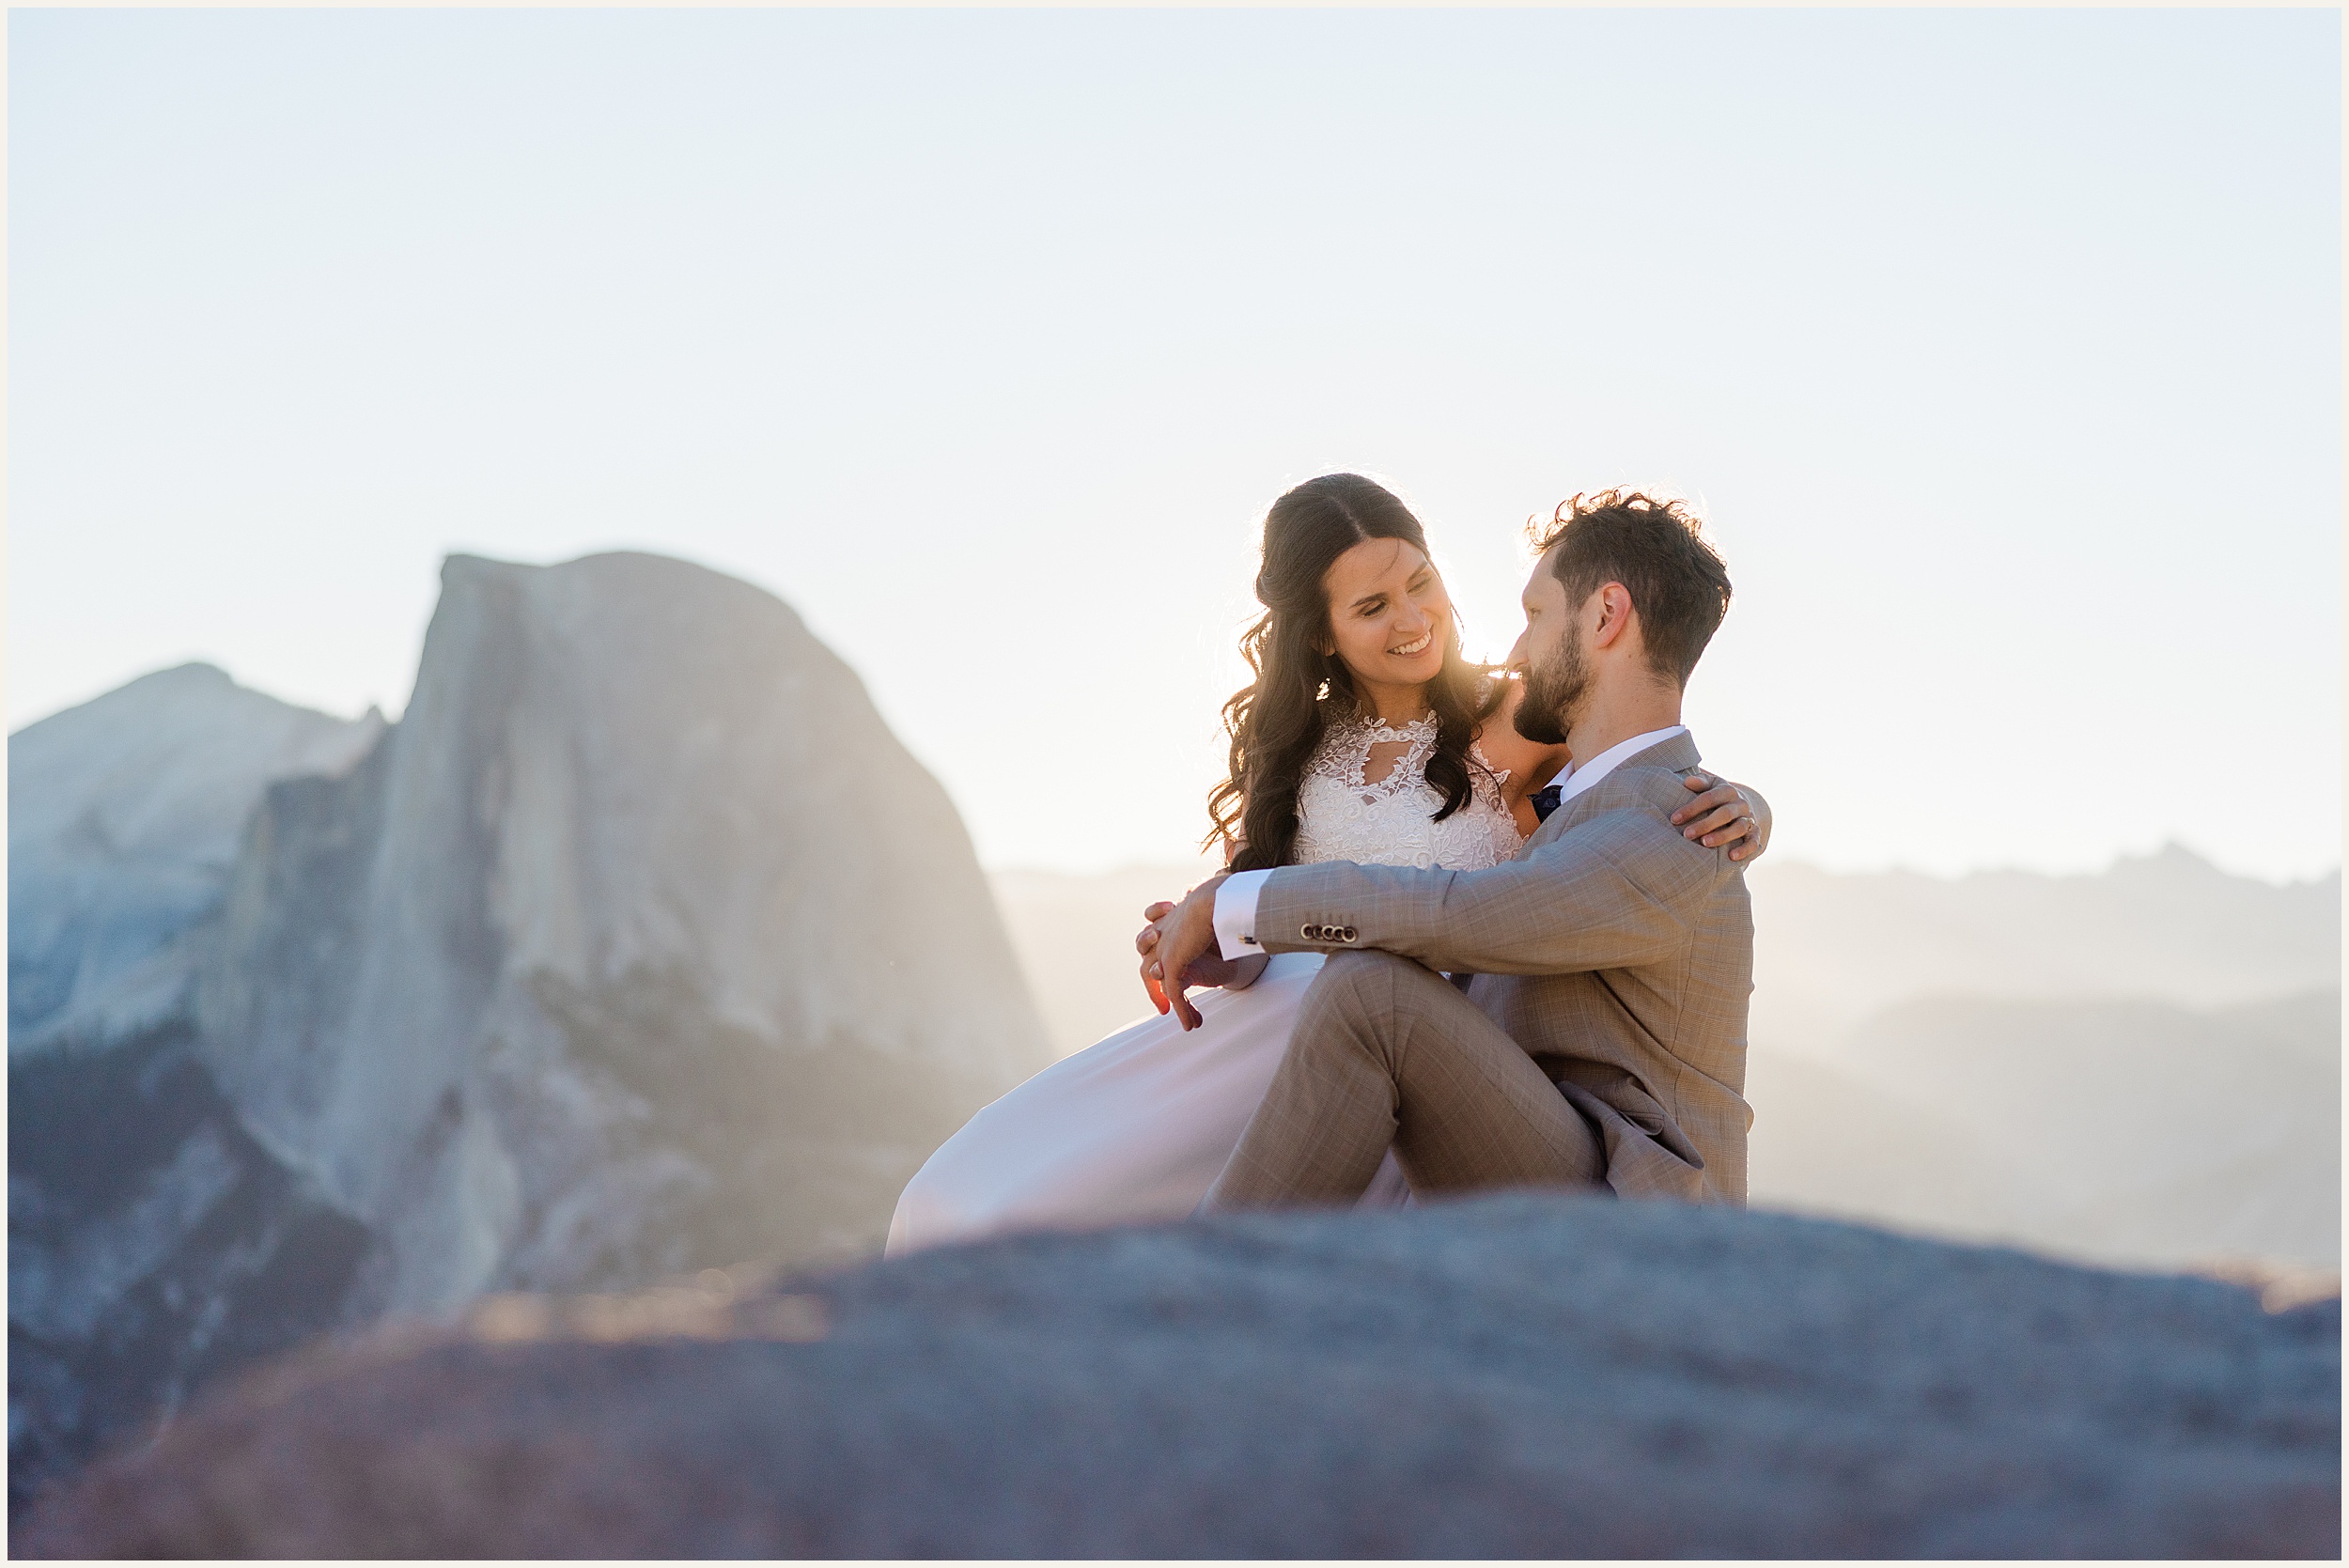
(1366, 598)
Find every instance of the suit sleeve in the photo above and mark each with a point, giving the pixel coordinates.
(1621, 889)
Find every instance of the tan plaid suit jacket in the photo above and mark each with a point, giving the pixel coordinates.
(1619, 953)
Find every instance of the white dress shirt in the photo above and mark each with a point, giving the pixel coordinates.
(1235, 900)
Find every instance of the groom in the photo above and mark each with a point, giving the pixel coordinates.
(1603, 1038)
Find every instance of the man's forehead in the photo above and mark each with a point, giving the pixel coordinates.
(1542, 579)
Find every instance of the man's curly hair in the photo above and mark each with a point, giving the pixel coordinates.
(1657, 549)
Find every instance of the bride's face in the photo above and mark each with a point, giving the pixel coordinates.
(1390, 619)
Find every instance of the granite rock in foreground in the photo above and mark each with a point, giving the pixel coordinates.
(1514, 1376)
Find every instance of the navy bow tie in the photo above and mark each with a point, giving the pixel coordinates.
(1545, 802)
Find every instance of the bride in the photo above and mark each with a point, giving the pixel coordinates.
(1365, 737)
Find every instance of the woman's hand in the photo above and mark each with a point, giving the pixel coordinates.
(1146, 943)
(1720, 814)
(1178, 950)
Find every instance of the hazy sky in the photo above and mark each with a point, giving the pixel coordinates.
(2004, 349)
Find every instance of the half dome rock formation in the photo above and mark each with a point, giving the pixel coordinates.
(1517, 1377)
(619, 955)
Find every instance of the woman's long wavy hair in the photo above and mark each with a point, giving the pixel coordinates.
(1278, 719)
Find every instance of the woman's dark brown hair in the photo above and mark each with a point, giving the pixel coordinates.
(1277, 721)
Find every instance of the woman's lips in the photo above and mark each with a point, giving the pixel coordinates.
(1420, 646)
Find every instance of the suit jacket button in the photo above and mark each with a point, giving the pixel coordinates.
(1349, 933)
(1305, 933)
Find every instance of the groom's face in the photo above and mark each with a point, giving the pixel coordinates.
(1557, 671)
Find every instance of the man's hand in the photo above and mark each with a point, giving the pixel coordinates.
(1178, 950)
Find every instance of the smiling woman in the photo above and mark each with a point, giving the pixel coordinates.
(1355, 623)
(1390, 620)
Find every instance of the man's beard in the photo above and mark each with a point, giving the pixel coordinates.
(1553, 691)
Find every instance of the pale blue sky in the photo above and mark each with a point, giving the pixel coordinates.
(2004, 348)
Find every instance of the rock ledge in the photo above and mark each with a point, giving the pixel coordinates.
(1514, 1376)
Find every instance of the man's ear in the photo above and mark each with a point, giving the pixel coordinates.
(1614, 614)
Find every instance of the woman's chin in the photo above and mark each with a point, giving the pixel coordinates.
(1420, 668)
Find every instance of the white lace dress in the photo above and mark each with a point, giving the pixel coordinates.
(1138, 1126)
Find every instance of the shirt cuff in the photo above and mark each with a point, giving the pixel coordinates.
(1236, 913)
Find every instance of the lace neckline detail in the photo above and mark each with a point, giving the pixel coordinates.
(1393, 822)
(1354, 738)
(1410, 729)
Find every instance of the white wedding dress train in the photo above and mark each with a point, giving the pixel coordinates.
(1134, 1128)
(1137, 1128)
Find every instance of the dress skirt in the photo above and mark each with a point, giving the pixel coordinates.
(1132, 1129)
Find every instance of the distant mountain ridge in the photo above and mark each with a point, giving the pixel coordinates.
(1833, 949)
(124, 819)
(609, 960)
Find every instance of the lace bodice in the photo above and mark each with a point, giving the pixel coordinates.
(1341, 818)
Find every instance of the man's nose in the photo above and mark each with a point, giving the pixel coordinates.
(1517, 652)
